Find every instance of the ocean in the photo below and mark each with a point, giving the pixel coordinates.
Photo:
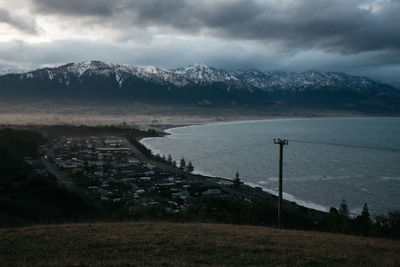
(326, 159)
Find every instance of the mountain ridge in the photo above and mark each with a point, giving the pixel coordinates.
(201, 73)
(199, 84)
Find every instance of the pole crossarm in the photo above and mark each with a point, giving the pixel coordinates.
(279, 141)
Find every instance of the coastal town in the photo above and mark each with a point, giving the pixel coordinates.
(109, 171)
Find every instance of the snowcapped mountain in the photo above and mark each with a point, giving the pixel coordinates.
(196, 74)
(11, 71)
(198, 85)
(120, 72)
(99, 81)
(200, 73)
(309, 81)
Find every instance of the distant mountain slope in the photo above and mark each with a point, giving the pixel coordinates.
(96, 81)
(311, 80)
(200, 73)
(324, 89)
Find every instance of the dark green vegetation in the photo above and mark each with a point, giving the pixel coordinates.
(264, 213)
(27, 193)
(19, 144)
(166, 244)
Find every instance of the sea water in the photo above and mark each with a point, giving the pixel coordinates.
(327, 159)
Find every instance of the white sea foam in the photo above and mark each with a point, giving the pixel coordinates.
(292, 198)
(365, 189)
(285, 196)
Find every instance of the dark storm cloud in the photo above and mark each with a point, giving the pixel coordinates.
(21, 23)
(76, 7)
(379, 65)
(339, 25)
(361, 37)
(346, 26)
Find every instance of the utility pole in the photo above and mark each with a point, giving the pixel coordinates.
(281, 143)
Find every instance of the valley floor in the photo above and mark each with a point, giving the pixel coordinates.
(142, 115)
(155, 244)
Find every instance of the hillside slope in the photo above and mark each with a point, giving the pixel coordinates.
(28, 193)
(154, 244)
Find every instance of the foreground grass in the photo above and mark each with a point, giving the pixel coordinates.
(142, 243)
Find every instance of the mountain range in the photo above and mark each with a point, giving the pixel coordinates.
(99, 82)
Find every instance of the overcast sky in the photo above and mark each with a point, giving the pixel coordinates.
(360, 37)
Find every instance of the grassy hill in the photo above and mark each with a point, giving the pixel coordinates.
(155, 244)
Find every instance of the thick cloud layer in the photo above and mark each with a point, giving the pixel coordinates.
(19, 22)
(347, 26)
(355, 36)
(75, 7)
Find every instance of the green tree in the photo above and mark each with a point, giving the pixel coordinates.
(364, 220)
(190, 167)
(343, 209)
(169, 159)
(182, 164)
(237, 182)
(365, 212)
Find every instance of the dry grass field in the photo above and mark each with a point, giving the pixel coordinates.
(166, 244)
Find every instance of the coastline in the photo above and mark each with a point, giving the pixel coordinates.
(303, 201)
(206, 175)
(168, 129)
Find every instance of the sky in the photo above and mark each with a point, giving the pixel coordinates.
(359, 37)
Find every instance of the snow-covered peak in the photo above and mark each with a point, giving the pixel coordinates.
(308, 80)
(121, 72)
(12, 71)
(204, 75)
(253, 77)
(201, 73)
(199, 65)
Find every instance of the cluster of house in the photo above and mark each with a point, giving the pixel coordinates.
(111, 172)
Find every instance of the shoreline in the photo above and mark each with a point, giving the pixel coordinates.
(203, 174)
(356, 209)
(168, 128)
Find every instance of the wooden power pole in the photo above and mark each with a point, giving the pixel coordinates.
(281, 143)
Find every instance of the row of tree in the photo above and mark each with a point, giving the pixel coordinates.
(167, 160)
(182, 163)
(189, 167)
(340, 220)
